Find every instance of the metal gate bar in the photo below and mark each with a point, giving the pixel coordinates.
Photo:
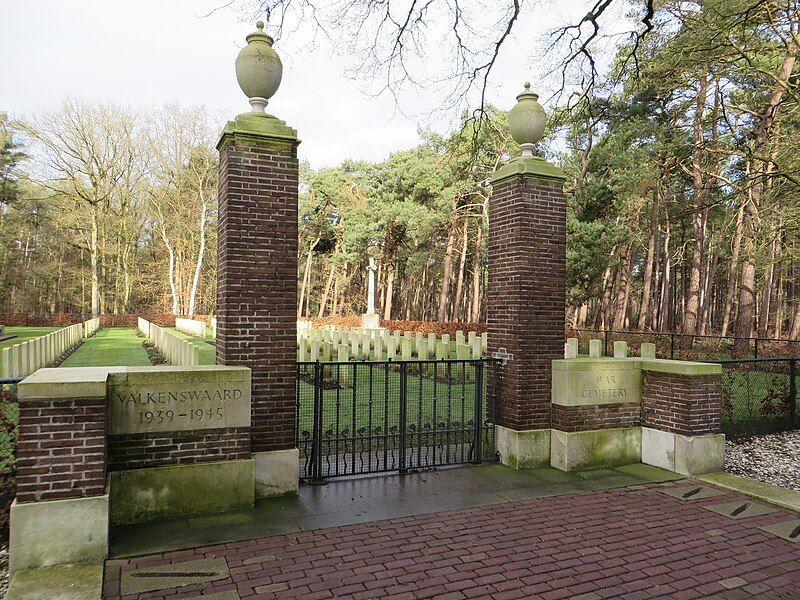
(359, 417)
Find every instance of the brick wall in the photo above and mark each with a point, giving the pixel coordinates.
(257, 278)
(141, 450)
(61, 452)
(526, 293)
(583, 418)
(688, 405)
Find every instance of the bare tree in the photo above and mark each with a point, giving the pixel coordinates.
(182, 194)
(86, 152)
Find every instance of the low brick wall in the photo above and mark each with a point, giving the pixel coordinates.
(61, 451)
(156, 449)
(605, 416)
(687, 405)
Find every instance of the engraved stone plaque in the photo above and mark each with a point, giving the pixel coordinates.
(178, 399)
(585, 382)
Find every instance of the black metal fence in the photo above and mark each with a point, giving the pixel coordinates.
(759, 396)
(691, 347)
(357, 418)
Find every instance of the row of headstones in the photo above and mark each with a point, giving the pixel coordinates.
(191, 327)
(646, 349)
(20, 360)
(332, 344)
(175, 350)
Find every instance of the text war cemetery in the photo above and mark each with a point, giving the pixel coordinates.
(505, 444)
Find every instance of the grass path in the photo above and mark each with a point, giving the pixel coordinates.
(110, 347)
(208, 353)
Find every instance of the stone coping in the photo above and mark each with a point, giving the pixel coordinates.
(258, 126)
(66, 383)
(757, 489)
(533, 166)
(584, 363)
(680, 367)
(657, 365)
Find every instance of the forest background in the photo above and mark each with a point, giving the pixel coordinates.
(683, 193)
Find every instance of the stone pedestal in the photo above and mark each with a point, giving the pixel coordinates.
(526, 287)
(370, 321)
(257, 269)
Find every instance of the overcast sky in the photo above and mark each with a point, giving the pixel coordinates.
(149, 52)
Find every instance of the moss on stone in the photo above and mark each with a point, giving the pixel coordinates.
(162, 493)
(260, 129)
(80, 581)
(757, 489)
(680, 367)
(528, 166)
(596, 448)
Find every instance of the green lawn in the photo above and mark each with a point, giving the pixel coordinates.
(433, 403)
(208, 353)
(23, 335)
(110, 347)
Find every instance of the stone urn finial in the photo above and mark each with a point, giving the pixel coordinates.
(259, 69)
(527, 120)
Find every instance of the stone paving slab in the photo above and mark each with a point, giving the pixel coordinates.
(741, 509)
(633, 542)
(365, 499)
(788, 530)
(172, 575)
(82, 581)
(692, 492)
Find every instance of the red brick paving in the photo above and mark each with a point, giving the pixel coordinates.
(623, 543)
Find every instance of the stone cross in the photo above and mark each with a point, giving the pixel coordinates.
(502, 355)
(371, 288)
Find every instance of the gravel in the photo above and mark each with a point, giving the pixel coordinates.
(772, 458)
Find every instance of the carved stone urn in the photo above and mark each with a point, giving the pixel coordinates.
(527, 121)
(259, 69)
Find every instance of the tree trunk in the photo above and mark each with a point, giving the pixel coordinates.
(605, 303)
(387, 307)
(647, 281)
(666, 278)
(757, 188)
(475, 313)
(306, 287)
(94, 257)
(455, 314)
(733, 269)
(171, 270)
(794, 332)
(710, 273)
(692, 308)
(623, 291)
(201, 252)
(448, 267)
(324, 300)
(767, 292)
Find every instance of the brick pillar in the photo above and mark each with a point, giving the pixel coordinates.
(257, 269)
(60, 514)
(682, 416)
(526, 291)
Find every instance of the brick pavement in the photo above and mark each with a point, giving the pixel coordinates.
(633, 542)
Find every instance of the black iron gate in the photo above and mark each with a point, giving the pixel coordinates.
(358, 417)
